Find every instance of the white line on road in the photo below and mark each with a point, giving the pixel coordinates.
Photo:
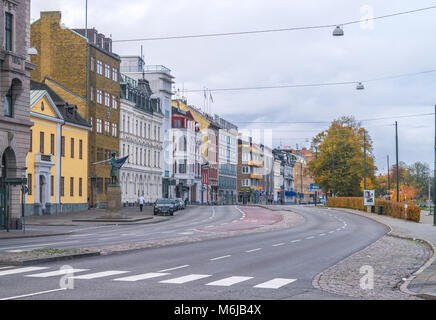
(21, 270)
(275, 283)
(228, 281)
(186, 279)
(253, 250)
(322, 234)
(293, 241)
(99, 274)
(331, 231)
(32, 294)
(311, 237)
(175, 268)
(278, 244)
(55, 273)
(142, 276)
(8, 267)
(218, 258)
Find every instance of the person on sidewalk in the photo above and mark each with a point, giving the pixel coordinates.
(141, 202)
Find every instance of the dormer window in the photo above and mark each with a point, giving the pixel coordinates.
(8, 31)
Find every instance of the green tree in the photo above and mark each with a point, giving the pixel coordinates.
(342, 142)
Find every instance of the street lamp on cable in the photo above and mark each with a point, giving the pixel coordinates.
(360, 86)
(338, 32)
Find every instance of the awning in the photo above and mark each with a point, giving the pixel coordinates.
(290, 193)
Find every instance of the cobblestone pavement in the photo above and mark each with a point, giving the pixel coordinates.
(392, 260)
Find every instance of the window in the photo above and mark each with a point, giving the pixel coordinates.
(99, 154)
(115, 74)
(107, 128)
(41, 142)
(62, 146)
(92, 64)
(107, 99)
(99, 96)
(114, 130)
(107, 71)
(114, 102)
(92, 93)
(29, 184)
(52, 186)
(80, 149)
(91, 122)
(245, 169)
(8, 31)
(31, 140)
(177, 123)
(62, 185)
(99, 126)
(8, 103)
(71, 187)
(80, 187)
(100, 67)
(52, 143)
(72, 148)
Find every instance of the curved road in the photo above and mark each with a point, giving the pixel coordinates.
(269, 265)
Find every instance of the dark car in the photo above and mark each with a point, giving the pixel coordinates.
(181, 203)
(164, 206)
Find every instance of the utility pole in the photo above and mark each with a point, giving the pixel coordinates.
(389, 180)
(434, 172)
(333, 171)
(364, 160)
(398, 169)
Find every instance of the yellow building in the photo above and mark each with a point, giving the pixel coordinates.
(57, 162)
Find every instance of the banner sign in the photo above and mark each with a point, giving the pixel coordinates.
(369, 197)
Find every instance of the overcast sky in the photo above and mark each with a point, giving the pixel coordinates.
(397, 45)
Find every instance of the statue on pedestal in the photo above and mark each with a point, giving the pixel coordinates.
(116, 164)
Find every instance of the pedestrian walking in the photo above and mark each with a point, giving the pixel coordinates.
(141, 202)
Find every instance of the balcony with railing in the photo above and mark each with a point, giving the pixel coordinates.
(256, 176)
(255, 163)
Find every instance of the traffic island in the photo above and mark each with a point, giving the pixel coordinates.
(43, 255)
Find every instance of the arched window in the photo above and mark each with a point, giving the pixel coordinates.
(11, 96)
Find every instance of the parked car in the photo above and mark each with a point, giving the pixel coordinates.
(164, 206)
(181, 203)
(303, 202)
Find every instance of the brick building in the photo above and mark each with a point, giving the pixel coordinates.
(15, 69)
(82, 62)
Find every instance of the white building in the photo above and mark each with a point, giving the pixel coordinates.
(160, 81)
(187, 138)
(141, 122)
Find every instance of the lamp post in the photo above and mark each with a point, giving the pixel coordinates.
(389, 181)
(398, 169)
(333, 171)
(434, 174)
(364, 160)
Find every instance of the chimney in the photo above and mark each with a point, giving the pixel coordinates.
(53, 15)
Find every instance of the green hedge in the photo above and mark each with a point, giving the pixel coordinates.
(390, 208)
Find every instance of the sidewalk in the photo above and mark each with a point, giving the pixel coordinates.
(93, 217)
(423, 282)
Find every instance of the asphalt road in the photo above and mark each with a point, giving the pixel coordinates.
(184, 223)
(270, 265)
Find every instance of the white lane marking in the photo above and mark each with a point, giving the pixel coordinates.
(293, 241)
(275, 283)
(32, 294)
(27, 246)
(175, 268)
(331, 231)
(15, 251)
(143, 276)
(311, 237)
(278, 244)
(226, 282)
(219, 258)
(322, 234)
(21, 270)
(338, 229)
(55, 273)
(253, 250)
(186, 233)
(81, 235)
(186, 279)
(99, 274)
(8, 267)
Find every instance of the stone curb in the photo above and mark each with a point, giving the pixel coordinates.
(405, 284)
(36, 235)
(50, 259)
(99, 223)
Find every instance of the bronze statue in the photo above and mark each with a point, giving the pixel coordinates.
(115, 165)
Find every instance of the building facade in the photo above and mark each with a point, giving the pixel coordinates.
(92, 73)
(186, 155)
(57, 163)
(15, 68)
(287, 160)
(228, 161)
(250, 170)
(160, 81)
(140, 139)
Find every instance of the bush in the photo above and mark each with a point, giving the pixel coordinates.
(390, 208)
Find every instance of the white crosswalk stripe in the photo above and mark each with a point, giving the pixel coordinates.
(21, 270)
(186, 279)
(275, 283)
(226, 282)
(99, 274)
(143, 276)
(59, 272)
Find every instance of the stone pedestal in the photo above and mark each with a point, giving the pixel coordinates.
(113, 202)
